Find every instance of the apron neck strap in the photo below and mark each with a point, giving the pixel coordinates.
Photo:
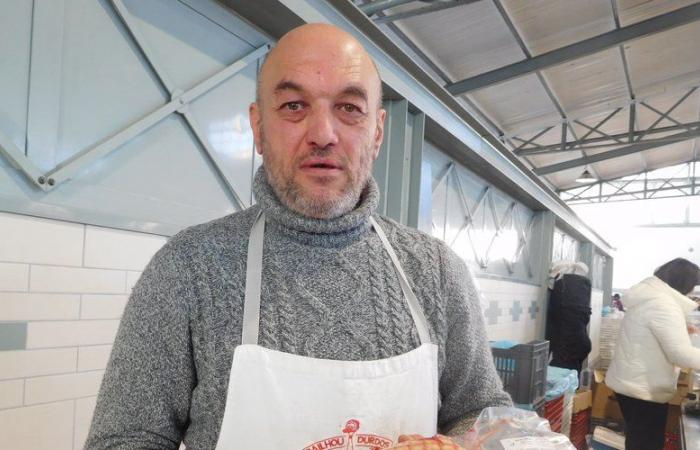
(251, 306)
(253, 278)
(413, 305)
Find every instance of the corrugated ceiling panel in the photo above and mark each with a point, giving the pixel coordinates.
(554, 158)
(467, 40)
(565, 179)
(617, 124)
(549, 24)
(623, 165)
(516, 101)
(687, 111)
(669, 155)
(553, 136)
(618, 167)
(633, 11)
(671, 57)
(590, 81)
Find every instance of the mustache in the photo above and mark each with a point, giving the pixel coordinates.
(324, 152)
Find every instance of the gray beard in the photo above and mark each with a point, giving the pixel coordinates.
(293, 197)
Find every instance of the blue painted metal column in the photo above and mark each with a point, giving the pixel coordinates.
(542, 242)
(397, 169)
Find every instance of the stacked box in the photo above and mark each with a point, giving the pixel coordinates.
(523, 370)
(580, 426)
(672, 441)
(609, 329)
(554, 412)
(538, 406)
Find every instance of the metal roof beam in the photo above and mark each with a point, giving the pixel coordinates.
(604, 142)
(424, 10)
(607, 139)
(595, 44)
(381, 5)
(617, 153)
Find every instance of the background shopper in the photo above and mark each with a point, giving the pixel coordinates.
(653, 344)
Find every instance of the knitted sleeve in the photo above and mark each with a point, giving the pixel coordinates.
(469, 381)
(145, 394)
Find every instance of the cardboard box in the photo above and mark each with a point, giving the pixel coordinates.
(679, 396)
(604, 405)
(582, 400)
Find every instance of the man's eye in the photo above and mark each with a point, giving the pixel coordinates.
(349, 108)
(293, 106)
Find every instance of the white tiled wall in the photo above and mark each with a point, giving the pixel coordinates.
(69, 283)
(506, 293)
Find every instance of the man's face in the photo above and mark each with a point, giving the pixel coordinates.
(317, 122)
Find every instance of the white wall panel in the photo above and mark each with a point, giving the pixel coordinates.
(11, 393)
(61, 387)
(42, 427)
(117, 249)
(186, 45)
(14, 277)
(24, 306)
(30, 363)
(223, 115)
(60, 342)
(31, 239)
(84, 409)
(94, 79)
(104, 83)
(15, 38)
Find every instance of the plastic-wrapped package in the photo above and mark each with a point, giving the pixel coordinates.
(501, 428)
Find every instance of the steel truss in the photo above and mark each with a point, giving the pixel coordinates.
(379, 6)
(179, 101)
(476, 218)
(634, 140)
(682, 182)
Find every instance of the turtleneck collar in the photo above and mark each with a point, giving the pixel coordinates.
(349, 224)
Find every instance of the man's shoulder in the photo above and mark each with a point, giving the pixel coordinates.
(411, 239)
(403, 234)
(224, 232)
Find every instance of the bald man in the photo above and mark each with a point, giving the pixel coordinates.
(307, 321)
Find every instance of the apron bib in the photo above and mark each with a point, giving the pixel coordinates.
(281, 401)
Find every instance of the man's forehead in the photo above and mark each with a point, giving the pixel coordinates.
(346, 89)
(318, 55)
(317, 65)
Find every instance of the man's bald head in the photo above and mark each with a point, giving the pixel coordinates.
(317, 120)
(322, 38)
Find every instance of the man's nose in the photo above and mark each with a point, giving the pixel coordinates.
(321, 131)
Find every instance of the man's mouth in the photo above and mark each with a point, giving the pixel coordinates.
(321, 165)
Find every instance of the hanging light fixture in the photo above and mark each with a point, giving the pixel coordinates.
(586, 177)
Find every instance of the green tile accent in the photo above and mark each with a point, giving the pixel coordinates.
(13, 336)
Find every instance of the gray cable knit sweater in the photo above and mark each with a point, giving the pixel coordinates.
(329, 291)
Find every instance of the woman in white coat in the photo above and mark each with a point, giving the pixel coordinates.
(652, 345)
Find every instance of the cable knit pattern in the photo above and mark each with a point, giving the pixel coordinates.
(329, 291)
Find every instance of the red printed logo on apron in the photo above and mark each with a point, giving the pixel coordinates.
(351, 440)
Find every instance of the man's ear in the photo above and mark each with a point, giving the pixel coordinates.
(379, 133)
(254, 116)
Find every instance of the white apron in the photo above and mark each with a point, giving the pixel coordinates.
(281, 401)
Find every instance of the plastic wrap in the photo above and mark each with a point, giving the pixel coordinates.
(501, 428)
